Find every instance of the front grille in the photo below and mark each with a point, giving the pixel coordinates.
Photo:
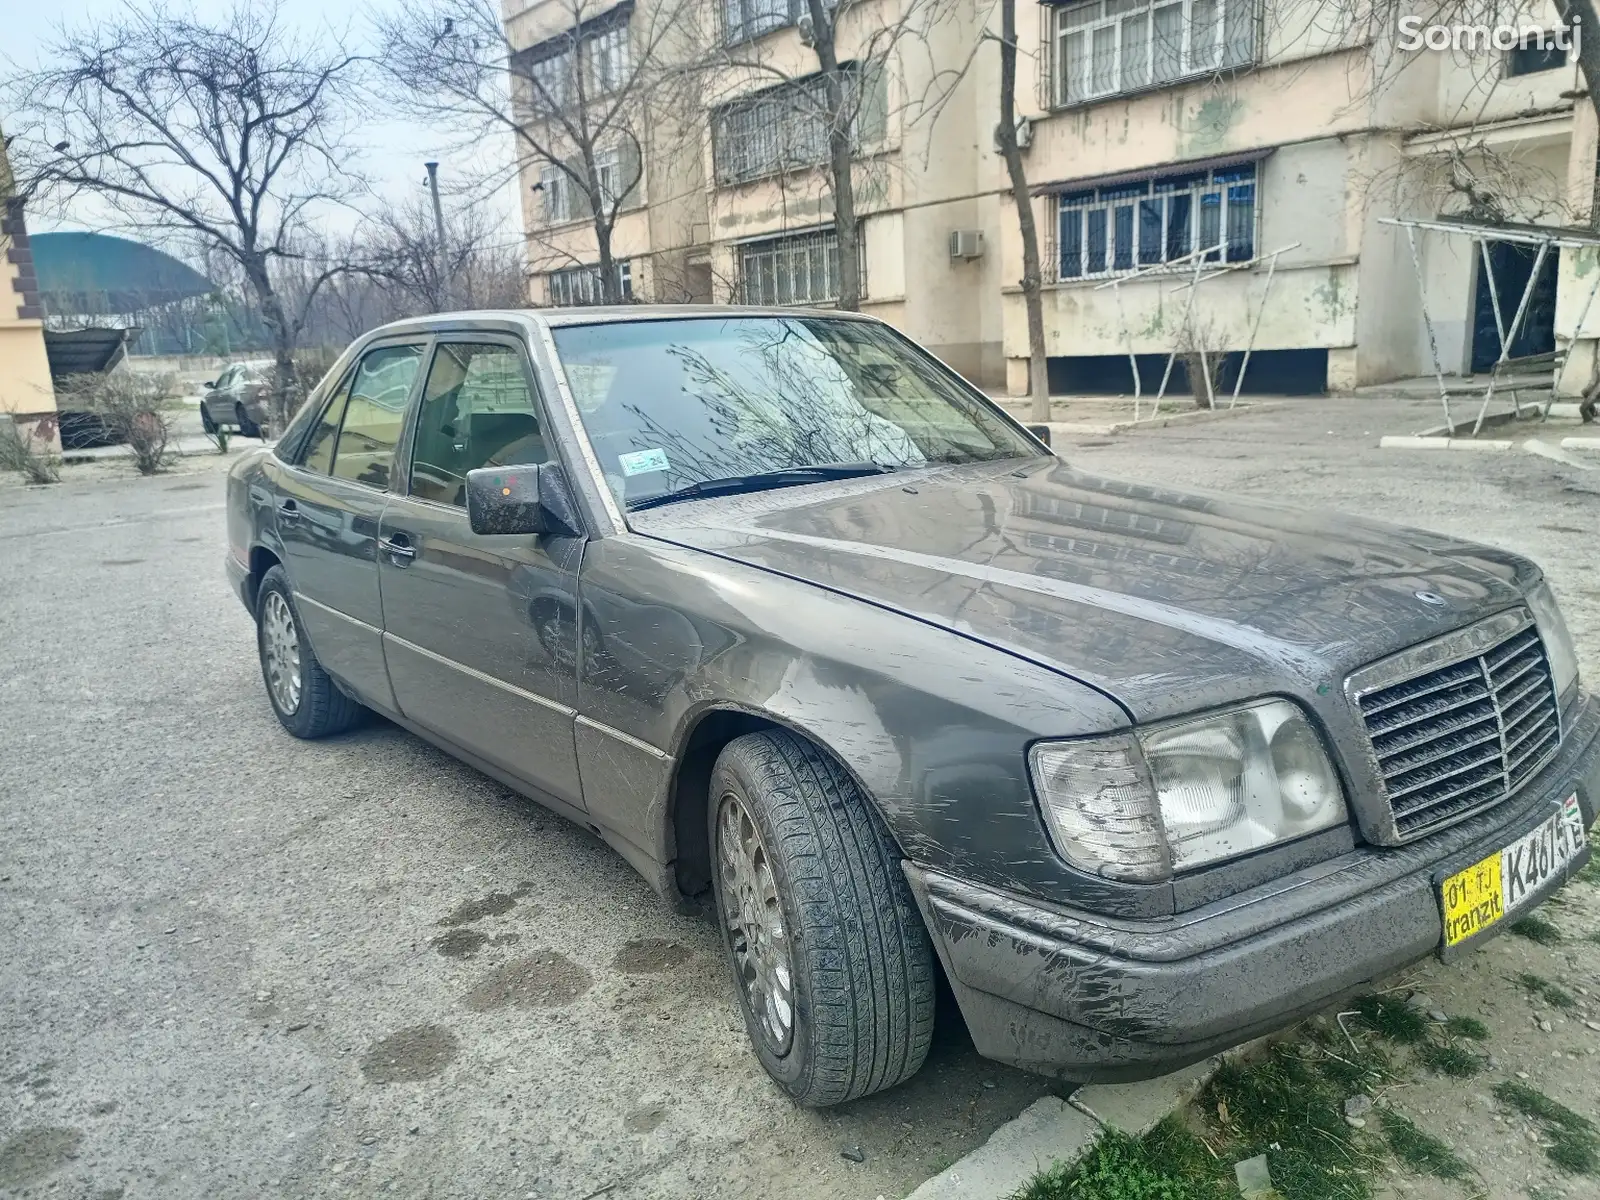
(1459, 738)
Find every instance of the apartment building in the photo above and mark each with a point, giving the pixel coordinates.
(1269, 140)
(26, 394)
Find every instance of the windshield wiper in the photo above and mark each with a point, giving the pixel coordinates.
(762, 481)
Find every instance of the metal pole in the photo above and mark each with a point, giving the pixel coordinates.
(1511, 336)
(1433, 342)
(438, 228)
(1255, 328)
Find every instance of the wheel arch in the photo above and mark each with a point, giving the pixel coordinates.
(704, 737)
(262, 560)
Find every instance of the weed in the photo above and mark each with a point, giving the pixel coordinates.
(1537, 929)
(1539, 986)
(1420, 1150)
(1574, 1141)
(1590, 873)
(1467, 1027)
(1393, 1019)
(1117, 1167)
(31, 454)
(1448, 1059)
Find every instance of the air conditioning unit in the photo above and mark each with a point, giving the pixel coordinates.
(808, 35)
(966, 243)
(1024, 134)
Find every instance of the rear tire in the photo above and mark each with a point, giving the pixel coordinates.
(247, 427)
(805, 873)
(302, 694)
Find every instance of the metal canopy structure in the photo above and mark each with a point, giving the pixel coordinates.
(1503, 374)
(1205, 267)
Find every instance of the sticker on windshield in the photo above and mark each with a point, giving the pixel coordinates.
(640, 461)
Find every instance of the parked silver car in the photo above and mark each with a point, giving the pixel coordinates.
(797, 620)
(239, 398)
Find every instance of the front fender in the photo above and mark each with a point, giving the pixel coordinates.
(933, 725)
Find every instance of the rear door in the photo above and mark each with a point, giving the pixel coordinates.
(328, 504)
(480, 632)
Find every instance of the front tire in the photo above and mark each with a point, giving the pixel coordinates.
(206, 423)
(303, 695)
(829, 955)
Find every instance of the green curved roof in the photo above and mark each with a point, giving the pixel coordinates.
(99, 273)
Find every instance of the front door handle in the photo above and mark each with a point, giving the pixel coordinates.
(398, 547)
(288, 510)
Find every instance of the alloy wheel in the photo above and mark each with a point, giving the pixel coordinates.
(753, 916)
(280, 645)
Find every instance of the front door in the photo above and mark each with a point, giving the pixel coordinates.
(328, 506)
(1512, 266)
(480, 632)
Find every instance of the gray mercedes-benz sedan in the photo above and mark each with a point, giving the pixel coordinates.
(796, 619)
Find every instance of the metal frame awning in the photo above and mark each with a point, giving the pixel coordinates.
(1481, 233)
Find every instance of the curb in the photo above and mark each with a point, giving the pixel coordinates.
(1051, 1131)
(1420, 442)
(1559, 453)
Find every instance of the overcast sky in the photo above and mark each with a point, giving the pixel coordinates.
(395, 150)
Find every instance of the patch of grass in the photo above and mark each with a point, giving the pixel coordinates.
(1574, 1141)
(1288, 1108)
(1449, 1059)
(1467, 1027)
(1420, 1150)
(1539, 986)
(1537, 929)
(1393, 1019)
(1117, 1167)
(1590, 873)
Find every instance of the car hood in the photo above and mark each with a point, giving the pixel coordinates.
(1168, 601)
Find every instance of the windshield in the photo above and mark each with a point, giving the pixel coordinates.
(670, 404)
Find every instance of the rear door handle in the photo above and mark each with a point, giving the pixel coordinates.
(398, 547)
(288, 510)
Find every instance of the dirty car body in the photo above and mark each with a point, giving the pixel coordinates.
(1161, 771)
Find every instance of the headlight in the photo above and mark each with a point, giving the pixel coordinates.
(1177, 796)
(1558, 645)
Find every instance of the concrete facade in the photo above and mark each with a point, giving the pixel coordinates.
(26, 394)
(1300, 134)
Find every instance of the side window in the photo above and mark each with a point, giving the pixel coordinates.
(318, 455)
(224, 380)
(374, 413)
(477, 411)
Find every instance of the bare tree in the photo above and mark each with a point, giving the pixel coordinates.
(475, 267)
(1032, 274)
(580, 99)
(223, 129)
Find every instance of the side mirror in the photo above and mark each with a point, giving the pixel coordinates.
(210, 383)
(526, 499)
(1042, 432)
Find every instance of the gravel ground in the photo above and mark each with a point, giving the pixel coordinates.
(236, 964)
(241, 965)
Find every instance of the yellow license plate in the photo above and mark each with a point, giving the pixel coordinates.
(1508, 879)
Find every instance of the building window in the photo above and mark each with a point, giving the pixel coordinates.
(600, 45)
(581, 285)
(801, 268)
(608, 175)
(1128, 226)
(558, 194)
(746, 20)
(782, 129)
(1538, 52)
(1108, 46)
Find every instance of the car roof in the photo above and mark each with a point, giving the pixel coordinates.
(605, 315)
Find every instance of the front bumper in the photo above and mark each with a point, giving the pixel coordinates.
(1071, 993)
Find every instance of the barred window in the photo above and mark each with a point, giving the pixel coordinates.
(784, 128)
(802, 268)
(1109, 230)
(746, 20)
(600, 45)
(581, 285)
(1108, 46)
